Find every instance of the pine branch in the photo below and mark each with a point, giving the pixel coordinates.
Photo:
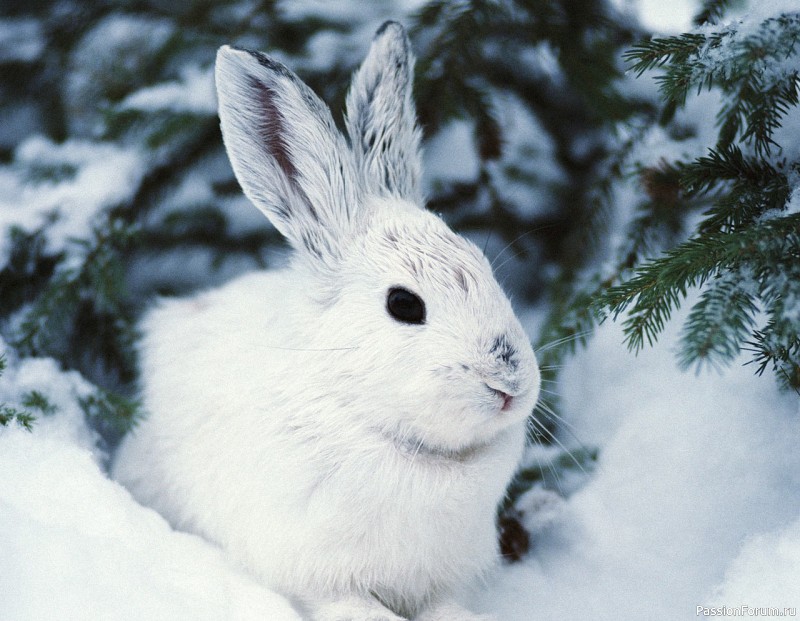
(658, 52)
(747, 187)
(744, 255)
(111, 413)
(756, 110)
(10, 414)
(35, 400)
(720, 322)
(659, 286)
(758, 97)
(730, 164)
(782, 357)
(84, 307)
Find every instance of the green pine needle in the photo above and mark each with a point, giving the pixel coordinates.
(35, 400)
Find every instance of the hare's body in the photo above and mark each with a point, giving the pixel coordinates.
(321, 502)
(345, 427)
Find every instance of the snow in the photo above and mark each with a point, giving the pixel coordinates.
(522, 176)
(750, 16)
(113, 54)
(695, 501)
(529, 163)
(64, 389)
(440, 164)
(659, 16)
(334, 47)
(194, 92)
(89, 177)
(690, 469)
(793, 204)
(74, 545)
(764, 571)
(353, 11)
(21, 40)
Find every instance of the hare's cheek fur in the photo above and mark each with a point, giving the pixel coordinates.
(425, 383)
(449, 405)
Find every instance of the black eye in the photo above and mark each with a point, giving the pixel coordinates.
(405, 306)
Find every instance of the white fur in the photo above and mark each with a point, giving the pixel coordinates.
(351, 461)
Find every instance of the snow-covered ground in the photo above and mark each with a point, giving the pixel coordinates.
(695, 501)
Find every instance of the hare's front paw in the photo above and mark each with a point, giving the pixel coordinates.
(451, 612)
(353, 609)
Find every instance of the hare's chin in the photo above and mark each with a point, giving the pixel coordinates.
(414, 448)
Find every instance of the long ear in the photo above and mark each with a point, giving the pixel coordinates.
(381, 117)
(286, 152)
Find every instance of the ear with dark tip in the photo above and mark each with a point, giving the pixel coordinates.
(286, 152)
(381, 117)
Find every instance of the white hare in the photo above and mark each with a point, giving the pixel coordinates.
(344, 428)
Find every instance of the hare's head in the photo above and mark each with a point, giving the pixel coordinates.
(433, 341)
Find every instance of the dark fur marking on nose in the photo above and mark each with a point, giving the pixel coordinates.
(504, 350)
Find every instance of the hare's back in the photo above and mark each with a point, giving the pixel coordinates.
(189, 342)
(207, 366)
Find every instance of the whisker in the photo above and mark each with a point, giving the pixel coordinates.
(311, 348)
(414, 455)
(549, 463)
(417, 450)
(486, 243)
(560, 444)
(562, 341)
(552, 367)
(514, 241)
(562, 423)
(547, 409)
(497, 268)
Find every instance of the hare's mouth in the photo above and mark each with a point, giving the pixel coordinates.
(413, 448)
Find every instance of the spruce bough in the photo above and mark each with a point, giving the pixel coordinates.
(743, 253)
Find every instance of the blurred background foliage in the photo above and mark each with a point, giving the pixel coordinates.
(518, 102)
(587, 183)
(519, 98)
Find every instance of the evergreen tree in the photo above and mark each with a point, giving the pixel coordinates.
(724, 223)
